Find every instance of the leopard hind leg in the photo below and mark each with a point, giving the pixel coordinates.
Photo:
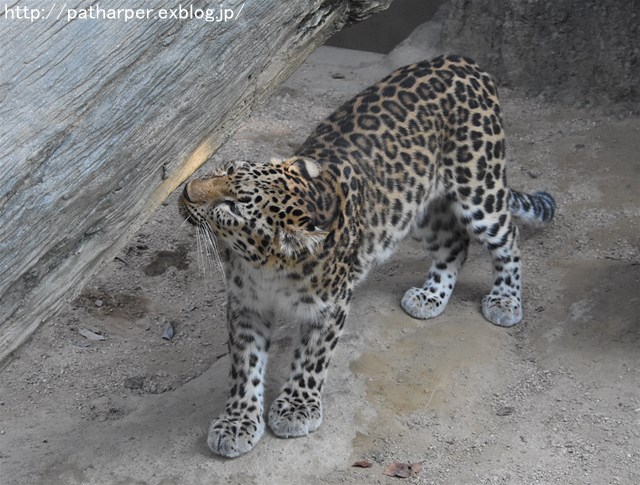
(491, 225)
(440, 230)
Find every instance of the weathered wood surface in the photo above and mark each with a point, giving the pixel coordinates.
(100, 119)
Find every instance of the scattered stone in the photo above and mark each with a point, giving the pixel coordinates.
(88, 334)
(167, 333)
(99, 303)
(134, 382)
(505, 411)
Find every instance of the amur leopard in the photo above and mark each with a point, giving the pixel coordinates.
(421, 152)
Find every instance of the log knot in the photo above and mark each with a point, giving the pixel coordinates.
(361, 9)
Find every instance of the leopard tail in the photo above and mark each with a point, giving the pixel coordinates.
(533, 209)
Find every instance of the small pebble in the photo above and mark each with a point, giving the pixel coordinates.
(167, 334)
(88, 334)
(134, 382)
(505, 411)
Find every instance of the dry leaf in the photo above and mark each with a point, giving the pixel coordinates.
(362, 464)
(402, 470)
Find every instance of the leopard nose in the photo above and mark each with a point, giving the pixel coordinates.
(206, 190)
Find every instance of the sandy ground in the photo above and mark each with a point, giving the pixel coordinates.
(553, 400)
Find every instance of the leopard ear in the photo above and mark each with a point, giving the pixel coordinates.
(294, 241)
(303, 166)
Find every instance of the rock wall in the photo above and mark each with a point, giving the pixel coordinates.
(581, 51)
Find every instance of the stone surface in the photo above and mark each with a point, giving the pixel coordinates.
(576, 51)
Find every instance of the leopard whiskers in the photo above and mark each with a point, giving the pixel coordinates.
(212, 249)
(184, 223)
(209, 252)
(199, 246)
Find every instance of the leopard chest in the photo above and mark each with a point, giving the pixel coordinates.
(269, 292)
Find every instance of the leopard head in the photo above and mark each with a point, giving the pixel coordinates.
(261, 211)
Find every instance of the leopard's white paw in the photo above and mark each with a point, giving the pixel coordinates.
(291, 416)
(422, 303)
(503, 311)
(231, 437)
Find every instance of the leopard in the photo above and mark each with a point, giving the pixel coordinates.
(421, 153)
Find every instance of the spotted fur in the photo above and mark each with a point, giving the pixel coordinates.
(420, 152)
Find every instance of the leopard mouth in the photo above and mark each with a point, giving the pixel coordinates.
(189, 215)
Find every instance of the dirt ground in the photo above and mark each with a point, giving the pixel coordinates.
(553, 400)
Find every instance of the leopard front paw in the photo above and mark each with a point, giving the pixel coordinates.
(233, 436)
(422, 303)
(294, 414)
(503, 311)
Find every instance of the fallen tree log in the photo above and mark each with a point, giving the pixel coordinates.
(105, 111)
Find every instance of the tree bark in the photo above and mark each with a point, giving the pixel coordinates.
(102, 118)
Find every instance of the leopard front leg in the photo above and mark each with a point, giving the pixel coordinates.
(239, 428)
(297, 411)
